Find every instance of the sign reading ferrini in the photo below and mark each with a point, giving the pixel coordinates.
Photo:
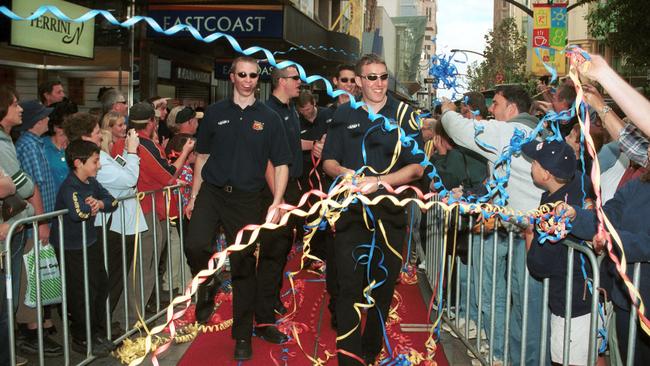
(48, 33)
(236, 20)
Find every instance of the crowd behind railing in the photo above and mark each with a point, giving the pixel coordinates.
(101, 202)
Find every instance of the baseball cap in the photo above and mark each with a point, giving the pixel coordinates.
(33, 111)
(185, 115)
(557, 157)
(141, 112)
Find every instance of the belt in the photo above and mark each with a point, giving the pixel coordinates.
(227, 189)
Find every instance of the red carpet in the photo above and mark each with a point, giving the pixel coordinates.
(216, 348)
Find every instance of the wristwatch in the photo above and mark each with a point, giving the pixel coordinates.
(606, 109)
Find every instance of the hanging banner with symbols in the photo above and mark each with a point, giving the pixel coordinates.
(549, 37)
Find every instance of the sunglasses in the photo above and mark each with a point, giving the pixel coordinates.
(121, 102)
(252, 75)
(373, 77)
(295, 77)
(346, 80)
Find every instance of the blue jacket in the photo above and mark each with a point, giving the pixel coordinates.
(72, 196)
(628, 212)
(549, 260)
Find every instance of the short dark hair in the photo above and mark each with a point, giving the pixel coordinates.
(235, 62)
(476, 102)
(46, 87)
(80, 150)
(61, 110)
(515, 94)
(7, 95)
(305, 97)
(368, 59)
(343, 67)
(566, 92)
(278, 73)
(175, 145)
(79, 124)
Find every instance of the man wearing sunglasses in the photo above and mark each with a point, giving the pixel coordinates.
(236, 140)
(344, 80)
(353, 142)
(277, 243)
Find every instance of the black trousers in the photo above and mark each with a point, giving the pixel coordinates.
(97, 290)
(275, 246)
(351, 232)
(114, 258)
(215, 207)
(642, 347)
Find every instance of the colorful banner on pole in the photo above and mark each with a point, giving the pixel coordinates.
(549, 38)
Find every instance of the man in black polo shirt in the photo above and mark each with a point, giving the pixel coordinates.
(277, 243)
(236, 140)
(343, 155)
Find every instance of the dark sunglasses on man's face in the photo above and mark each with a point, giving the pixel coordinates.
(373, 77)
(346, 80)
(252, 75)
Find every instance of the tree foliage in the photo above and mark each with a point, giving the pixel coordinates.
(505, 58)
(623, 25)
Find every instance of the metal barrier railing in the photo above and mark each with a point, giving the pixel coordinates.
(471, 292)
(126, 269)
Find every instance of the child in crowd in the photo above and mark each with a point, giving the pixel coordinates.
(173, 150)
(554, 169)
(84, 197)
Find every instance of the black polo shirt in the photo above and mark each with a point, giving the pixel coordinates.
(313, 131)
(240, 143)
(291, 123)
(348, 128)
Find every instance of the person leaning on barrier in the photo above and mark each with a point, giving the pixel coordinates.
(119, 176)
(343, 155)
(509, 107)
(84, 197)
(627, 211)
(237, 138)
(31, 153)
(155, 174)
(554, 169)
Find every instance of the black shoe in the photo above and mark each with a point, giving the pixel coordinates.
(280, 308)
(101, 347)
(271, 334)
(50, 347)
(205, 299)
(243, 350)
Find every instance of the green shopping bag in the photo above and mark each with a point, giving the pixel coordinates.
(50, 277)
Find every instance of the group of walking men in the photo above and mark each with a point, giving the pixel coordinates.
(250, 158)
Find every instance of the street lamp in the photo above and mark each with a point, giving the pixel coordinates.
(469, 51)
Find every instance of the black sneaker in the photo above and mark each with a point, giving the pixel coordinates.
(205, 299)
(50, 347)
(101, 347)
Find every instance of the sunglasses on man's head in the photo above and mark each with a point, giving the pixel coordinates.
(373, 77)
(252, 75)
(294, 77)
(346, 80)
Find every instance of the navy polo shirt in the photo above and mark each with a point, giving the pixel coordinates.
(348, 128)
(291, 123)
(240, 142)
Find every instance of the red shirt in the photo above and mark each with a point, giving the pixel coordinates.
(155, 174)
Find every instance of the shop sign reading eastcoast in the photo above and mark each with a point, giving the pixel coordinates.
(48, 33)
(238, 21)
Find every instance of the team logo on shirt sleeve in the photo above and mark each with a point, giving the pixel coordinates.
(258, 126)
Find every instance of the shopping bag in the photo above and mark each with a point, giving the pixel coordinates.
(50, 277)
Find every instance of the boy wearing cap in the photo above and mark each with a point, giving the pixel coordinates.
(554, 169)
(31, 154)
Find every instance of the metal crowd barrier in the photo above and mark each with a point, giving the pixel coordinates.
(457, 294)
(57, 219)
